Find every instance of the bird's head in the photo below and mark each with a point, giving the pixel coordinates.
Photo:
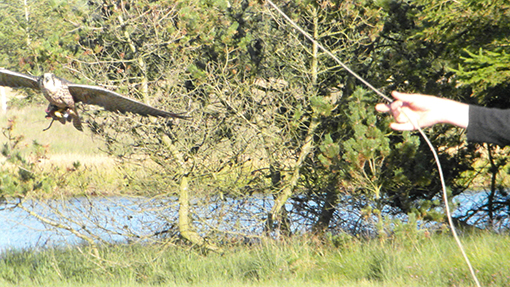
(50, 82)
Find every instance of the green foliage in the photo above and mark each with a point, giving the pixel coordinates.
(474, 45)
(19, 175)
(297, 261)
(321, 106)
(35, 36)
(485, 70)
(35, 39)
(35, 170)
(368, 147)
(330, 151)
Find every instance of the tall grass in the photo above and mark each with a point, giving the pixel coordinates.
(300, 261)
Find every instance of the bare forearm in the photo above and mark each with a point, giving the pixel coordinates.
(454, 113)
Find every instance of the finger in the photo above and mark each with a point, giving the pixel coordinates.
(400, 96)
(413, 99)
(382, 108)
(396, 109)
(407, 126)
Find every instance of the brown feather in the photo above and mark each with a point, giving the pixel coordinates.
(115, 102)
(18, 80)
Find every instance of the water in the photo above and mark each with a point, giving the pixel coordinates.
(128, 219)
(470, 201)
(123, 219)
(114, 219)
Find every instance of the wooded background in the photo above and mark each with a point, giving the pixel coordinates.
(278, 130)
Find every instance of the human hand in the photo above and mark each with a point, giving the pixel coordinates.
(414, 110)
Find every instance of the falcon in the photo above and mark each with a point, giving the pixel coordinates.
(63, 95)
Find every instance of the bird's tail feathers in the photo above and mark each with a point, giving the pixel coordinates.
(76, 119)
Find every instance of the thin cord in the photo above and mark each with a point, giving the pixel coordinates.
(432, 149)
(329, 53)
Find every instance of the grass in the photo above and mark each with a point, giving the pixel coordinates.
(60, 139)
(299, 261)
(72, 158)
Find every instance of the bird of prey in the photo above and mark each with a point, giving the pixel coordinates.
(63, 95)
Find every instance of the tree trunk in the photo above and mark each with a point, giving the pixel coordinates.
(327, 210)
(494, 173)
(185, 226)
(276, 215)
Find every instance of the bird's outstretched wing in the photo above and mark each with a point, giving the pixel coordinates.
(115, 102)
(17, 80)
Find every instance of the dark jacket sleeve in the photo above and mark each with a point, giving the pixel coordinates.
(489, 125)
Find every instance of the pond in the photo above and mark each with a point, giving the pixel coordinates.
(124, 219)
(118, 219)
(102, 216)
